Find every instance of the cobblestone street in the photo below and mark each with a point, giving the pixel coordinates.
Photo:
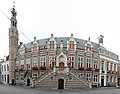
(8, 89)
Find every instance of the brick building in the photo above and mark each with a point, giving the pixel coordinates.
(60, 62)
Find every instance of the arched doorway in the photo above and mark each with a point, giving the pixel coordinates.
(28, 82)
(61, 66)
(60, 84)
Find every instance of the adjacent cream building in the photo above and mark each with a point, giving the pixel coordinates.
(5, 70)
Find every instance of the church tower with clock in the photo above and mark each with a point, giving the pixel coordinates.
(13, 45)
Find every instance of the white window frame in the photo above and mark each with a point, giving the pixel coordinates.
(35, 61)
(95, 78)
(72, 62)
(88, 61)
(80, 61)
(95, 63)
(88, 76)
(43, 61)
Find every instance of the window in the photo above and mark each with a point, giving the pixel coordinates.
(35, 61)
(110, 78)
(43, 60)
(95, 63)
(72, 60)
(7, 67)
(88, 61)
(107, 65)
(4, 68)
(5, 78)
(80, 62)
(102, 65)
(88, 77)
(71, 45)
(111, 66)
(95, 78)
(51, 44)
(115, 67)
(28, 63)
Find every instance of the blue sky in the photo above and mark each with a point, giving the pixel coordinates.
(83, 18)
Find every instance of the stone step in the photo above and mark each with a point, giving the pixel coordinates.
(75, 84)
(45, 87)
(48, 82)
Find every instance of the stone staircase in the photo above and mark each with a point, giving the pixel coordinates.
(46, 82)
(76, 83)
(50, 81)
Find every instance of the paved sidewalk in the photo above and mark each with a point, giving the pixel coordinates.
(12, 89)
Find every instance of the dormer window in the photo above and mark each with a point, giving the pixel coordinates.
(35, 50)
(51, 44)
(88, 46)
(35, 46)
(71, 45)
